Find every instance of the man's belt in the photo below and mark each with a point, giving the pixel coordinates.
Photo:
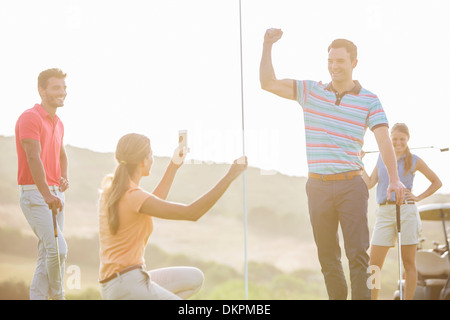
(337, 176)
(29, 187)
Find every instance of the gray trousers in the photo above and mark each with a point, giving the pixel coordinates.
(341, 202)
(45, 283)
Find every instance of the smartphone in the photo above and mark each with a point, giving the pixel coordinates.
(182, 140)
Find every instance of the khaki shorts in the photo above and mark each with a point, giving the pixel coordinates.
(385, 230)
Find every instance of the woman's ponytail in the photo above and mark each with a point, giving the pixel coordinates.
(131, 150)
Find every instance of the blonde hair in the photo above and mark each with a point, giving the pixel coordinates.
(131, 150)
(403, 128)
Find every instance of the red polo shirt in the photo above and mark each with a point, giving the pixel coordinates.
(36, 123)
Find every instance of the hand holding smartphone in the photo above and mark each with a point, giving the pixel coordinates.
(182, 141)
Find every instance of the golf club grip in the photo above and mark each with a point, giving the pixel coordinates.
(55, 229)
(397, 213)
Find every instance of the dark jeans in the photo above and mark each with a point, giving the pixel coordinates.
(341, 202)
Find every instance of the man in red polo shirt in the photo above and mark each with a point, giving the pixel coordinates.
(42, 179)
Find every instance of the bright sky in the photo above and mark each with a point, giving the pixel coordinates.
(156, 67)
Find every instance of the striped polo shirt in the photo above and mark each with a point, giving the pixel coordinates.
(335, 125)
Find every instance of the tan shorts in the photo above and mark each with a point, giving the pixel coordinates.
(385, 230)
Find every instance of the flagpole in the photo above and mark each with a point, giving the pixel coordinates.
(243, 151)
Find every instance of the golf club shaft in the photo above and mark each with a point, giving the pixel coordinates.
(430, 147)
(55, 230)
(399, 234)
(415, 148)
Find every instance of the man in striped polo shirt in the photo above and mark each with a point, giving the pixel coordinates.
(336, 117)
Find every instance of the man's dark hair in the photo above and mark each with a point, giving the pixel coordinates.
(348, 45)
(49, 73)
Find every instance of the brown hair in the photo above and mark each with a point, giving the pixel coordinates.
(403, 128)
(49, 73)
(131, 150)
(347, 44)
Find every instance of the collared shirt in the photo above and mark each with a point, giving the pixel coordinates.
(335, 125)
(36, 123)
(355, 90)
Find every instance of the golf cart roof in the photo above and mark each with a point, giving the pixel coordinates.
(433, 211)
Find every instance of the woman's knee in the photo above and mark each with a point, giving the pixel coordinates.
(198, 277)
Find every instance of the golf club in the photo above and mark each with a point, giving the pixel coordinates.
(397, 213)
(430, 147)
(55, 230)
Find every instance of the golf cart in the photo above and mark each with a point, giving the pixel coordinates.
(433, 265)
